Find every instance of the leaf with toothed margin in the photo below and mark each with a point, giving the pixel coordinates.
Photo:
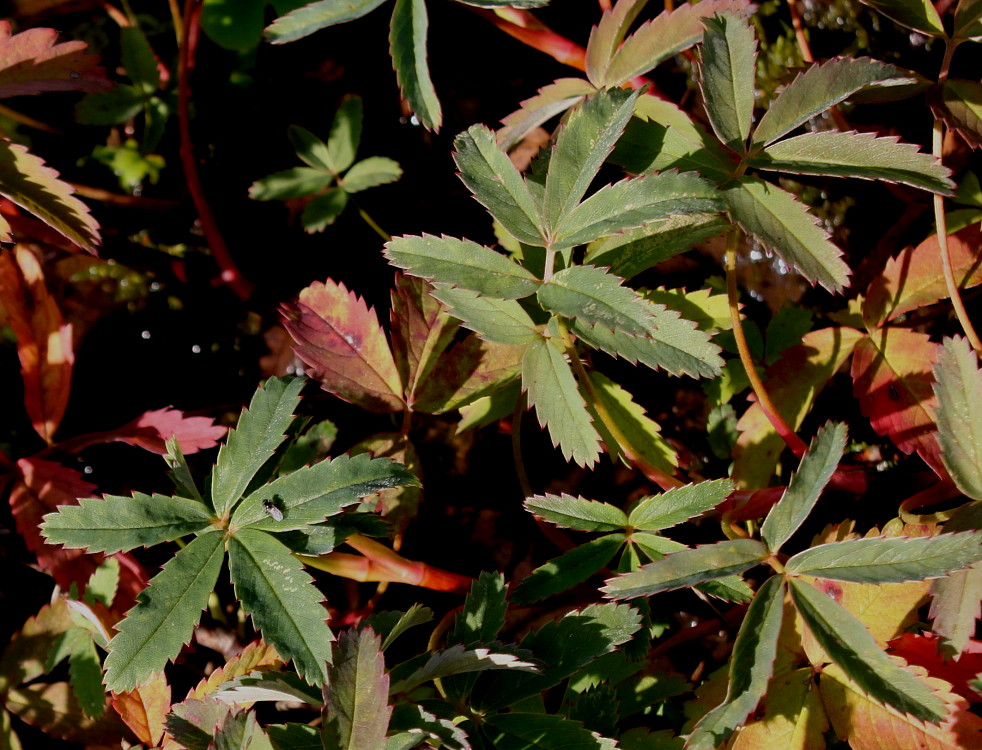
(316, 16)
(356, 708)
(153, 632)
(578, 513)
(550, 101)
(958, 388)
(728, 54)
(280, 597)
(407, 44)
(598, 298)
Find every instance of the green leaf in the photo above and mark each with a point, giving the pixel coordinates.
(919, 15)
(415, 724)
(138, 59)
(497, 184)
(577, 513)
(958, 388)
(284, 604)
(312, 150)
(635, 250)
(345, 136)
(290, 183)
(323, 210)
(686, 568)
(407, 43)
(525, 731)
(850, 645)
(483, 613)
(35, 187)
(375, 170)
(567, 570)
(460, 660)
(607, 36)
(260, 430)
(889, 560)
(313, 493)
(815, 90)
(636, 202)
(583, 143)
(956, 600)
(153, 632)
(552, 391)
(113, 107)
(85, 676)
(596, 297)
(784, 225)
(861, 155)
(751, 668)
(500, 320)
(462, 263)
(961, 109)
(356, 709)
(673, 344)
(661, 38)
(403, 621)
(233, 24)
(116, 523)
(317, 16)
(814, 472)
(550, 101)
(727, 77)
(180, 473)
(728, 588)
(968, 20)
(678, 504)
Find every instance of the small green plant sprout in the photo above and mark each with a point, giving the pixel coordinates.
(844, 640)
(332, 175)
(230, 519)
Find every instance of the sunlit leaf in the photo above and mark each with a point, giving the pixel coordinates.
(375, 170)
(679, 504)
(792, 716)
(577, 512)
(255, 657)
(339, 336)
(557, 97)
(460, 660)
(397, 500)
(345, 136)
(959, 393)
(356, 709)
(956, 602)
(968, 20)
(153, 632)
(32, 62)
(316, 16)
(502, 321)
(28, 651)
(410, 721)
(919, 15)
(607, 36)
(145, 709)
(728, 54)
(597, 298)
(313, 151)
(407, 43)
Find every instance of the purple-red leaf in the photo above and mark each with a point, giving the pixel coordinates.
(31, 62)
(341, 340)
(152, 429)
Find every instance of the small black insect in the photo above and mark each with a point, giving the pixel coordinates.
(275, 513)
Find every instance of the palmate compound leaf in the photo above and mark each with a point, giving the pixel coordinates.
(280, 597)
(407, 44)
(597, 298)
(356, 710)
(636, 202)
(958, 388)
(782, 224)
(807, 483)
(751, 667)
(166, 612)
(260, 430)
(316, 16)
(889, 560)
(577, 513)
(583, 143)
(852, 154)
(815, 90)
(553, 393)
(687, 568)
(35, 187)
(850, 645)
(116, 523)
(679, 504)
(497, 184)
(313, 493)
(728, 53)
(339, 336)
(461, 263)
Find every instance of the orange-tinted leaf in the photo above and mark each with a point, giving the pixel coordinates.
(923, 649)
(867, 725)
(26, 655)
(53, 709)
(145, 709)
(793, 717)
(257, 656)
(915, 278)
(35, 187)
(32, 62)
(793, 382)
(40, 487)
(152, 429)
(892, 378)
(341, 340)
(44, 340)
(421, 331)
(400, 504)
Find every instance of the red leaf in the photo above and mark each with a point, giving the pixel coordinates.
(341, 340)
(31, 62)
(915, 278)
(923, 650)
(44, 340)
(152, 429)
(892, 378)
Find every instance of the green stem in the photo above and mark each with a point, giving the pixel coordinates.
(763, 398)
(371, 222)
(941, 222)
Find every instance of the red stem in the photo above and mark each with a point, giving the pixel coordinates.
(230, 274)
